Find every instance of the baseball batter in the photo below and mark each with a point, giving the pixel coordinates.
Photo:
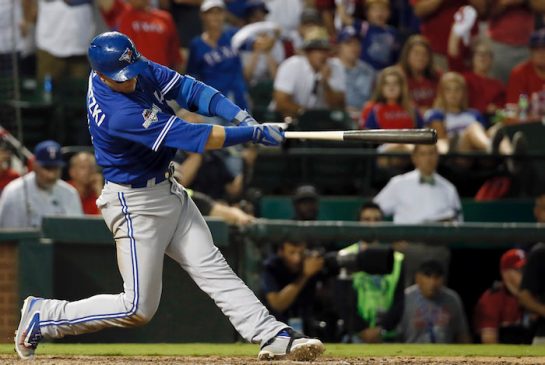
(135, 134)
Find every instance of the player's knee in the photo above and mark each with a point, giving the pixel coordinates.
(138, 319)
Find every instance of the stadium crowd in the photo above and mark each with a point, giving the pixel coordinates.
(466, 68)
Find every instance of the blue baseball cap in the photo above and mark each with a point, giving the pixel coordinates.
(48, 154)
(347, 33)
(537, 39)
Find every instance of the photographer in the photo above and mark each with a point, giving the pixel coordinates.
(374, 304)
(289, 284)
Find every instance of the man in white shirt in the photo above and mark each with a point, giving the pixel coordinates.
(421, 196)
(26, 200)
(64, 29)
(310, 80)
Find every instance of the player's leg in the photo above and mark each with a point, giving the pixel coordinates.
(192, 247)
(140, 241)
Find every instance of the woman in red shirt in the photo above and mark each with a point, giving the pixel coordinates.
(416, 62)
(390, 108)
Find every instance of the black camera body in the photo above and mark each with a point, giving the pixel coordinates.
(374, 260)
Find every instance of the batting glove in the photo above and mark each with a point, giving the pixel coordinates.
(268, 135)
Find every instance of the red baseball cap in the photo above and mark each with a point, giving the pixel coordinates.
(513, 259)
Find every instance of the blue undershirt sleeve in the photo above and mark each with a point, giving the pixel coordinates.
(238, 135)
(196, 96)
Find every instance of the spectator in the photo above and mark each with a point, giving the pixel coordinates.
(26, 200)
(186, 15)
(211, 57)
(310, 81)
(265, 50)
(416, 61)
(347, 13)
(293, 41)
(7, 174)
(390, 106)
(360, 76)
(510, 24)
(436, 18)
(529, 77)
(458, 127)
(213, 61)
(380, 42)
(421, 196)
(532, 288)
(153, 31)
(63, 32)
(289, 284)
(85, 178)
(379, 298)
(305, 203)
(287, 14)
(499, 318)
(432, 312)
(16, 35)
(485, 94)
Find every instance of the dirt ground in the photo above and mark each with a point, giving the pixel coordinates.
(325, 360)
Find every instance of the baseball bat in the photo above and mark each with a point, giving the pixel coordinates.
(414, 136)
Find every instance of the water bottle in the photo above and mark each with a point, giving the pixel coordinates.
(523, 107)
(48, 88)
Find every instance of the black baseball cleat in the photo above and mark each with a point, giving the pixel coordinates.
(291, 345)
(28, 334)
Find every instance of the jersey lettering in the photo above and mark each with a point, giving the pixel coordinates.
(96, 112)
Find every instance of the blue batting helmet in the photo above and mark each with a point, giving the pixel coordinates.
(114, 55)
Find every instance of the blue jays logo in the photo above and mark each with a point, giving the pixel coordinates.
(126, 56)
(150, 115)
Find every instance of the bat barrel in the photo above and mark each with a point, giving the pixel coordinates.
(412, 136)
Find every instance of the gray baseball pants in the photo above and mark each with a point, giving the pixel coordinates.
(148, 223)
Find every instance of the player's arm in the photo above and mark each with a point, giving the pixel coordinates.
(198, 97)
(162, 129)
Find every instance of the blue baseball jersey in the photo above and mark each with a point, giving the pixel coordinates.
(379, 45)
(136, 135)
(219, 67)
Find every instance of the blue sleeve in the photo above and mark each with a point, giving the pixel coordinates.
(433, 114)
(168, 81)
(372, 121)
(198, 97)
(193, 95)
(419, 121)
(154, 130)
